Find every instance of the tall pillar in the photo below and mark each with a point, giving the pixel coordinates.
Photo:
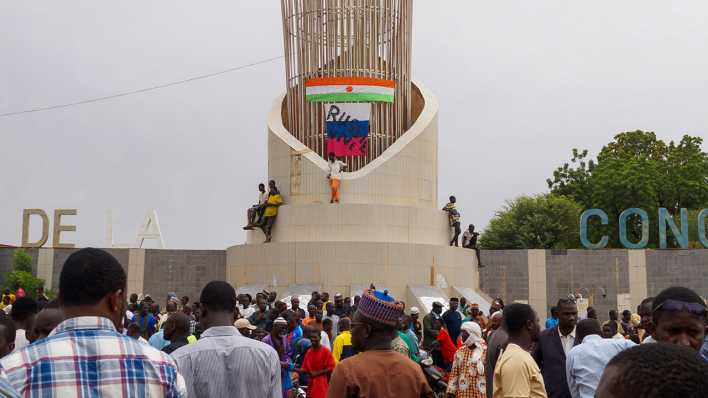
(45, 266)
(136, 270)
(637, 264)
(537, 281)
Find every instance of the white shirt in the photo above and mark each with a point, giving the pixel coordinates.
(223, 363)
(324, 340)
(262, 198)
(20, 339)
(247, 312)
(567, 341)
(586, 362)
(335, 169)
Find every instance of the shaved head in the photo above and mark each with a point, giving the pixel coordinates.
(177, 325)
(587, 327)
(45, 322)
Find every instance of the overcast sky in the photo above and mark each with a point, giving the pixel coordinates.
(520, 83)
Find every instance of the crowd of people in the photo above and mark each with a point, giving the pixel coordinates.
(96, 340)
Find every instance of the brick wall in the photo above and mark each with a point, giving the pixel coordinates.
(505, 274)
(597, 275)
(666, 268)
(184, 272)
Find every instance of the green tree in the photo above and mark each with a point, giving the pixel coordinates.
(573, 179)
(636, 169)
(685, 172)
(545, 221)
(21, 261)
(21, 275)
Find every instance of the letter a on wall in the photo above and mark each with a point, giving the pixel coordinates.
(150, 230)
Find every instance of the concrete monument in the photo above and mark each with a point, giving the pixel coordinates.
(388, 228)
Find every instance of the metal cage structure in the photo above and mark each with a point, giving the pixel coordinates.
(361, 38)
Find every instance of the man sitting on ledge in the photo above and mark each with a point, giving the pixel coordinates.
(255, 212)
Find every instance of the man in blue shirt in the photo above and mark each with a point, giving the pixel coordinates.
(453, 320)
(553, 320)
(146, 321)
(586, 362)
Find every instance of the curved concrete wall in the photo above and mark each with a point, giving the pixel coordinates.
(358, 223)
(346, 266)
(404, 175)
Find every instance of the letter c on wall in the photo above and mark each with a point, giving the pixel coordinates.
(584, 228)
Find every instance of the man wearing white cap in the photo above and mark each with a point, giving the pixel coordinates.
(278, 340)
(414, 324)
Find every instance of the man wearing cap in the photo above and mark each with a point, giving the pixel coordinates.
(277, 339)
(339, 308)
(373, 329)
(430, 333)
(244, 327)
(414, 324)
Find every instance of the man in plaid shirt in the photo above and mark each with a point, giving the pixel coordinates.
(86, 356)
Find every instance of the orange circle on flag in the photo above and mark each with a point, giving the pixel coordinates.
(349, 89)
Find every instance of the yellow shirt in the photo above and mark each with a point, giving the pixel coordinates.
(272, 205)
(344, 338)
(517, 375)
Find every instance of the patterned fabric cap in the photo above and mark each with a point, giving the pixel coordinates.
(380, 307)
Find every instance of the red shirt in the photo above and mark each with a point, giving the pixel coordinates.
(318, 359)
(446, 347)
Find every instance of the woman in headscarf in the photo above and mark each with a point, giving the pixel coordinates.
(467, 378)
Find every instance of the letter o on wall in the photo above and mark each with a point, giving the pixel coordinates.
(623, 228)
(584, 228)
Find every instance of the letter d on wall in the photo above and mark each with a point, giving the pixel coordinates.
(584, 228)
(26, 213)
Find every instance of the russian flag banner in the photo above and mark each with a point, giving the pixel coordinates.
(347, 126)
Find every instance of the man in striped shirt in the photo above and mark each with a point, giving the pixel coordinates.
(85, 355)
(223, 363)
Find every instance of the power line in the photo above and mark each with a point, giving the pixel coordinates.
(141, 90)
